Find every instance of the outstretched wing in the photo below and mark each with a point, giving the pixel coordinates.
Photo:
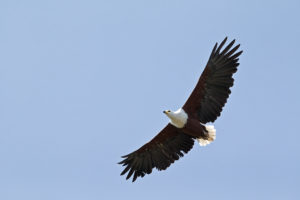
(168, 146)
(213, 88)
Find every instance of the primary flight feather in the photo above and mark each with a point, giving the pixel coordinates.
(188, 123)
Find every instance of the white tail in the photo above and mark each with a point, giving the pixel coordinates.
(211, 135)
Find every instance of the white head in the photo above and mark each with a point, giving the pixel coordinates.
(177, 118)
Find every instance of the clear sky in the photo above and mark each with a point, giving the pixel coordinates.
(84, 82)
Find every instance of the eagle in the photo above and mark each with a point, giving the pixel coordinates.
(189, 123)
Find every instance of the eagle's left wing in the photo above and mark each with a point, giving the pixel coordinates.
(166, 147)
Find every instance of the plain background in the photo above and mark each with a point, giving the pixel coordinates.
(84, 82)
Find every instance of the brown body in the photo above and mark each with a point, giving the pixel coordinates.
(194, 128)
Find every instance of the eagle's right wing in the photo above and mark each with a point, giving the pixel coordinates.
(166, 147)
(213, 88)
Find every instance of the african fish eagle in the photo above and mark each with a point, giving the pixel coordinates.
(188, 123)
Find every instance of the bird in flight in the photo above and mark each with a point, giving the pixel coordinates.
(189, 122)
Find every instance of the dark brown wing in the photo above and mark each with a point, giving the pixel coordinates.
(168, 146)
(213, 88)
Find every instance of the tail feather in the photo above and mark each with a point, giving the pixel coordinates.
(211, 136)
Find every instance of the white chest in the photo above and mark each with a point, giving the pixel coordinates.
(178, 118)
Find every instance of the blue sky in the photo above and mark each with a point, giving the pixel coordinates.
(84, 82)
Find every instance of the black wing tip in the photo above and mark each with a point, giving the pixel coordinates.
(228, 53)
(226, 38)
(121, 162)
(221, 45)
(130, 173)
(125, 156)
(124, 159)
(239, 53)
(231, 43)
(123, 172)
(236, 55)
(128, 168)
(213, 52)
